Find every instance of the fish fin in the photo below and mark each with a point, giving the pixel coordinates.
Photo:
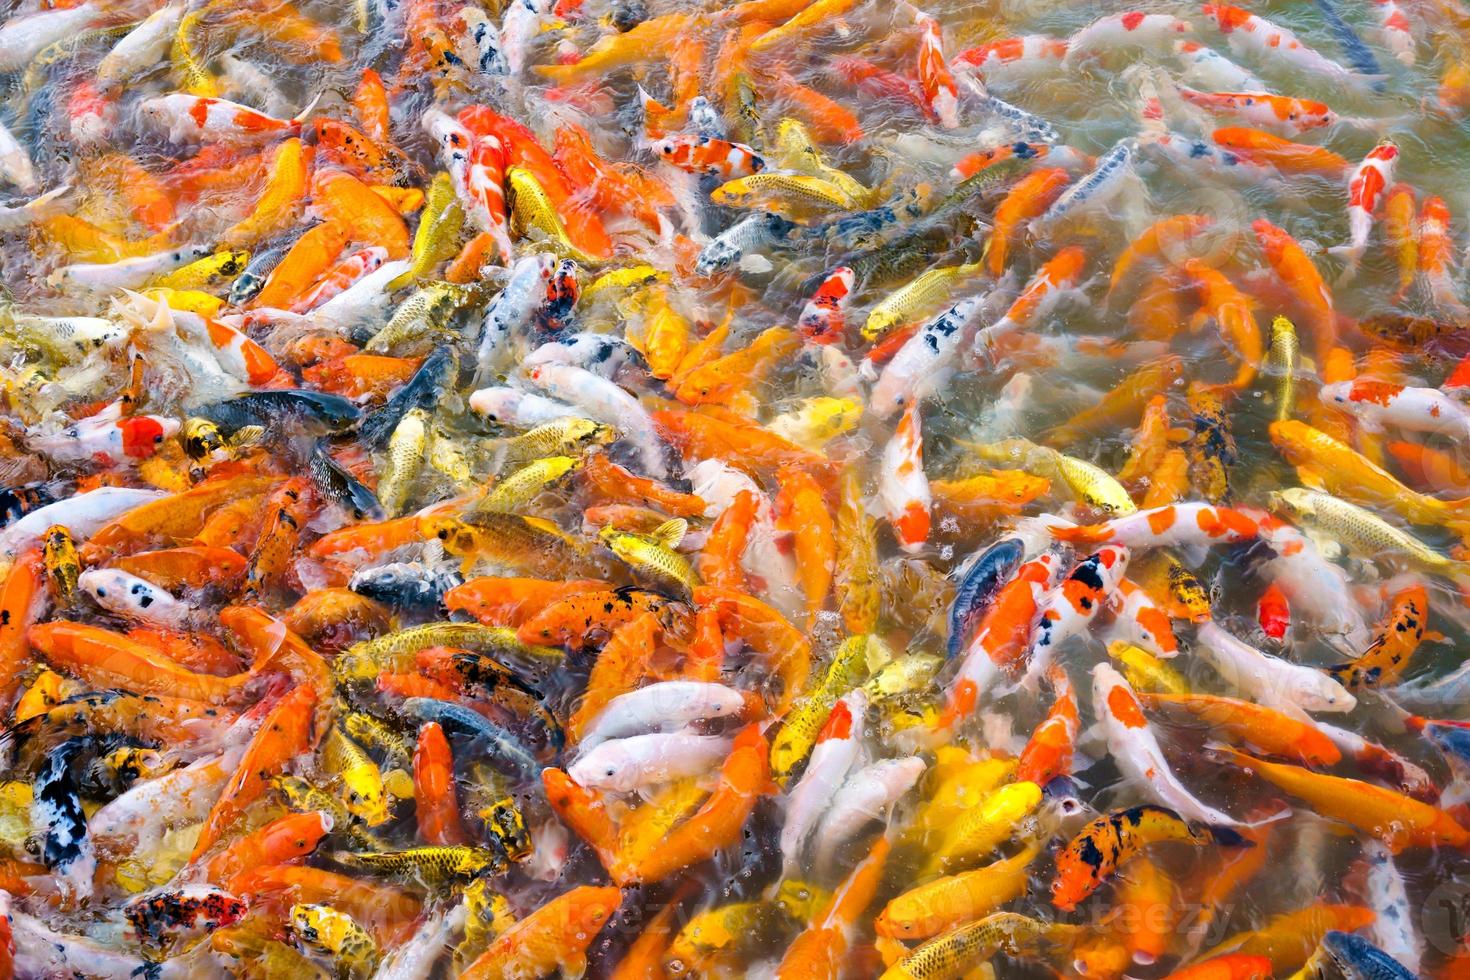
(300, 117)
(1310, 478)
(670, 532)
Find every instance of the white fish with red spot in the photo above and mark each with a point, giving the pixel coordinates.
(1380, 403)
(838, 746)
(1136, 751)
(903, 489)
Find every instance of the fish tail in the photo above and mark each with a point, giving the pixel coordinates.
(300, 118)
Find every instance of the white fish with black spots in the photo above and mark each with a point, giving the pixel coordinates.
(134, 598)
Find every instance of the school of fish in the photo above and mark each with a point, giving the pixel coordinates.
(763, 488)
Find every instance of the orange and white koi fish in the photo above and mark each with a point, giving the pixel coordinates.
(1048, 752)
(838, 746)
(1256, 37)
(1380, 403)
(340, 277)
(1135, 749)
(1071, 607)
(940, 92)
(1436, 253)
(200, 119)
(999, 643)
(1193, 525)
(709, 157)
(1365, 193)
(1013, 57)
(1264, 110)
(903, 488)
(1396, 30)
(1141, 621)
(1046, 287)
(1209, 69)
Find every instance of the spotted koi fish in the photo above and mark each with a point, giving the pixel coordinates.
(1071, 607)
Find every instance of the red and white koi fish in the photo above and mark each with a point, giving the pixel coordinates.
(1365, 193)
(1013, 57)
(940, 92)
(200, 119)
(709, 157)
(1317, 589)
(1186, 524)
(1380, 403)
(1048, 753)
(839, 743)
(1130, 30)
(108, 436)
(476, 165)
(1141, 621)
(824, 317)
(1398, 35)
(1262, 110)
(1209, 69)
(1000, 641)
(1072, 606)
(1436, 253)
(903, 489)
(1259, 38)
(1136, 751)
(1061, 273)
(91, 115)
